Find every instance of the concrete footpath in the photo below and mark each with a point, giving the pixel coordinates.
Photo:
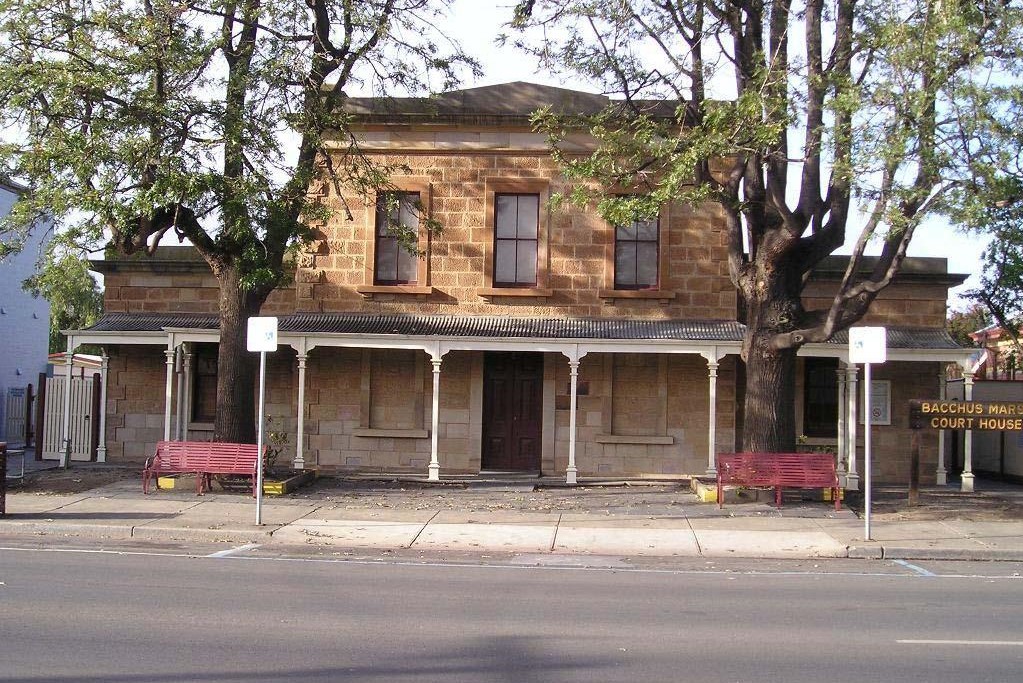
(119, 511)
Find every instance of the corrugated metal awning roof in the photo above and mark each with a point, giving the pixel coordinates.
(909, 338)
(445, 326)
(502, 328)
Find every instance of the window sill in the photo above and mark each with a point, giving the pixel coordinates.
(491, 292)
(642, 440)
(410, 290)
(392, 433)
(660, 294)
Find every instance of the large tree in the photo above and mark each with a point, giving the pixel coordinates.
(805, 121)
(963, 322)
(76, 301)
(204, 120)
(1001, 283)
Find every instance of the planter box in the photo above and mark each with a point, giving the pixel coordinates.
(279, 487)
(706, 491)
(272, 486)
(178, 482)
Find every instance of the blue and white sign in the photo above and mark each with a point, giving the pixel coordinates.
(262, 334)
(868, 345)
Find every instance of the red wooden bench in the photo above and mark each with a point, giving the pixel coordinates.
(795, 470)
(202, 458)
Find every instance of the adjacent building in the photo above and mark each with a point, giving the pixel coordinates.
(24, 326)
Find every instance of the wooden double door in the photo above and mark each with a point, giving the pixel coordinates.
(512, 411)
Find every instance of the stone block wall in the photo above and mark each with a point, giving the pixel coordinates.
(143, 288)
(355, 423)
(890, 445)
(333, 398)
(601, 451)
(900, 304)
(135, 402)
(579, 248)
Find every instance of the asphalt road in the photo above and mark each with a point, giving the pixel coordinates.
(85, 616)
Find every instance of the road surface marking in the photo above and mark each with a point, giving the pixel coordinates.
(1016, 643)
(234, 551)
(919, 570)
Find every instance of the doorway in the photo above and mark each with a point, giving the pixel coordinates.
(512, 411)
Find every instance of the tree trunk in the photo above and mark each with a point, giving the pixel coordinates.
(770, 411)
(773, 308)
(236, 367)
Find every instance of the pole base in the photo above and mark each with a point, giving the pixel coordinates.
(967, 482)
(941, 478)
(434, 473)
(571, 475)
(852, 481)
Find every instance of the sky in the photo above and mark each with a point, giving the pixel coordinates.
(476, 23)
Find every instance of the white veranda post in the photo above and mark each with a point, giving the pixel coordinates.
(168, 394)
(299, 462)
(434, 468)
(188, 356)
(852, 479)
(842, 445)
(101, 449)
(571, 471)
(712, 419)
(967, 476)
(940, 474)
(179, 368)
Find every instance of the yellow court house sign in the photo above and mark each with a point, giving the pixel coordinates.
(998, 416)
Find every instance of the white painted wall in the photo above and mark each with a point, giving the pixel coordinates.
(24, 320)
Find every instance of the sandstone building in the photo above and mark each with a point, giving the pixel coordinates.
(525, 338)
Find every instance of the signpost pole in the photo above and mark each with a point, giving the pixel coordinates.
(262, 337)
(867, 345)
(259, 439)
(866, 451)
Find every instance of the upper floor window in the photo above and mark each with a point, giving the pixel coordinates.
(516, 224)
(636, 255)
(397, 229)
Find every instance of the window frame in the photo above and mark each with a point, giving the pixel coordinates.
(812, 365)
(380, 235)
(203, 353)
(494, 187)
(656, 285)
(423, 268)
(516, 242)
(660, 437)
(662, 290)
(367, 400)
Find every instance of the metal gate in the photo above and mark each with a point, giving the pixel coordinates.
(15, 410)
(81, 419)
